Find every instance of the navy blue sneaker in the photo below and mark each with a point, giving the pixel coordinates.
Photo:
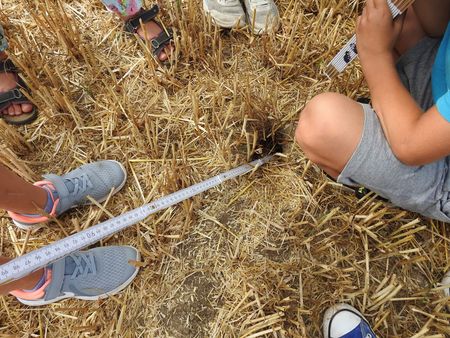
(344, 321)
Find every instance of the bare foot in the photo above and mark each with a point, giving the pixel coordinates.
(152, 30)
(8, 81)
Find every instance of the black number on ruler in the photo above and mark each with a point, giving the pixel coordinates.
(27, 262)
(37, 257)
(90, 235)
(48, 253)
(4, 272)
(347, 57)
(16, 267)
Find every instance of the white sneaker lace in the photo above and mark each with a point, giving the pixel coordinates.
(89, 265)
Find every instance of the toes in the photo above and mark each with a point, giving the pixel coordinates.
(17, 109)
(27, 107)
(162, 56)
(11, 111)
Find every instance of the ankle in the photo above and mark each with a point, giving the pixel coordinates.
(49, 209)
(38, 291)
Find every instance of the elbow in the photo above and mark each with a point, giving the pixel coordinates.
(406, 154)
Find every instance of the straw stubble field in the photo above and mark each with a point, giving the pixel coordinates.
(263, 255)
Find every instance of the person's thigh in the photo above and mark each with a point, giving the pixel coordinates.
(412, 32)
(329, 130)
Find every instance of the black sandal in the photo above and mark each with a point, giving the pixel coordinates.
(15, 96)
(162, 40)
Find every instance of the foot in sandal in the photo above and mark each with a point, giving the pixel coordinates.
(15, 108)
(143, 23)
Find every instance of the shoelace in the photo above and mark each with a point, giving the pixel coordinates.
(80, 184)
(89, 264)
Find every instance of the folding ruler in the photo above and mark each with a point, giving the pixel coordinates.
(347, 54)
(24, 265)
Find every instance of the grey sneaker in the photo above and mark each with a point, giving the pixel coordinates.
(88, 275)
(262, 15)
(71, 190)
(225, 13)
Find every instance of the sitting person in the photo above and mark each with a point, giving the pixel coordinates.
(399, 147)
(87, 275)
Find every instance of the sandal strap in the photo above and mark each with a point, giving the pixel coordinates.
(12, 96)
(161, 41)
(134, 23)
(7, 66)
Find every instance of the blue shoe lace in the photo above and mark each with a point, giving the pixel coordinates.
(83, 269)
(79, 184)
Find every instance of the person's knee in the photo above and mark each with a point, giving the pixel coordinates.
(318, 124)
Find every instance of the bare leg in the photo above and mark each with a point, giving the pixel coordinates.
(411, 34)
(433, 15)
(329, 131)
(27, 282)
(19, 196)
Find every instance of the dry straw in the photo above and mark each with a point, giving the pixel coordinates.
(262, 256)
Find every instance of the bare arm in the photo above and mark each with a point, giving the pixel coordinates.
(433, 15)
(415, 137)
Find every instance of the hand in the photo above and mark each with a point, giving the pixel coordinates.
(376, 32)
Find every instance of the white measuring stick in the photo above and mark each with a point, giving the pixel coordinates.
(347, 54)
(26, 264)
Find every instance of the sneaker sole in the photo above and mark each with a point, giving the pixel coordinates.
(91, 298)
(40, 225)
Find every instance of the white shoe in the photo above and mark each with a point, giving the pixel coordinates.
(344, 321)
(262, 15)
(225, 13)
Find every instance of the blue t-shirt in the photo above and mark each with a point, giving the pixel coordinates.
(441, 77)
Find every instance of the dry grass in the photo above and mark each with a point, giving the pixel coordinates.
(261, 256)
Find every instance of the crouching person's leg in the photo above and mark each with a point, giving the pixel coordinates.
(346, 140)
(329, 131)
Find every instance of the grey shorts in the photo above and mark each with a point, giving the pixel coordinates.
(423, 189)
